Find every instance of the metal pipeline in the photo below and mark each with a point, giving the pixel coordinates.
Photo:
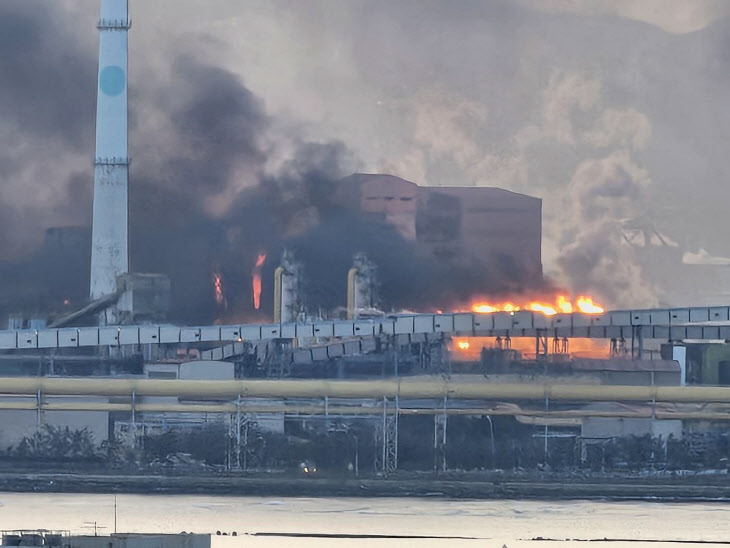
(435, 388)
(340, 410)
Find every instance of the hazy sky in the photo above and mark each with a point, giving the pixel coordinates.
(614, 112)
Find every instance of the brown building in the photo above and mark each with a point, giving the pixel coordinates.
(460, 224)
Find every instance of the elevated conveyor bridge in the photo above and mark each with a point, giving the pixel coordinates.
(669, 324)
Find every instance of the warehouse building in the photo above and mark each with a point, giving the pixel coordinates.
(464, 225)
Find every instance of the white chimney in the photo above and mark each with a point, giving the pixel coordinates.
(109, 240)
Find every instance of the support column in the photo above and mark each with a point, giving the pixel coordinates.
(39, 408)
(439, 440)
(541, 345)
(618, 348)
(637, 343)
(561, 346)
(238, 432)
(386, 438)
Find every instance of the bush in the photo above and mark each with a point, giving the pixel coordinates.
(52, 443)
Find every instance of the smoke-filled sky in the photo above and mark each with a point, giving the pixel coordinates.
(614, 112)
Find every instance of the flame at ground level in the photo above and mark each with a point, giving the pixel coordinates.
(467, 349)
(561, 304)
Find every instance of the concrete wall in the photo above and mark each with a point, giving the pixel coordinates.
(207, 370)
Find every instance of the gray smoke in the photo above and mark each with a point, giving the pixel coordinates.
(215, 181)
(47, 82)
(517, 95)
(608, 114)
(595, 256)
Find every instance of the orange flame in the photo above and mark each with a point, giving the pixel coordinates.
(583, 304)
(218, 288)
(256, 280)
(587, 306)
(564, 305)
(541, 307)
(468, 349)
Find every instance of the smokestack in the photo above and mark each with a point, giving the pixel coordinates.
(351, 293)
(286, 290)
(109, 240)
(361, 287)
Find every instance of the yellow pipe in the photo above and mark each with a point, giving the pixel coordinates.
(436, 388)
(229, 408)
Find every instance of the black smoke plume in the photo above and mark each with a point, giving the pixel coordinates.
(204, 198)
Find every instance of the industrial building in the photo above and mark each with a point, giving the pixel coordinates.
(116, 368)
(489, 226)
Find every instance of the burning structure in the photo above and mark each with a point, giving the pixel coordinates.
(432, 247)
(414, 248)
(487, 228)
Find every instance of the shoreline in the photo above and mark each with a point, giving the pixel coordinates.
(614, 489)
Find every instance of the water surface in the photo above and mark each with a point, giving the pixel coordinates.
(475, 523)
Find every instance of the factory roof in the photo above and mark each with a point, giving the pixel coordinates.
(360, 178)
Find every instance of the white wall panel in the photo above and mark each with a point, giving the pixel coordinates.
(403, 325)
(324, 329)
(88, 336)
(443, 323)
(502, 320)
(210, 333)
(423, 323)
(699, 314)
(48, 338)
(129, 335)
(230, 332)
(250, 332)
(271, 331)
(679, 315)
(344, 329)
(288, 331)
(364, 328)
(68, 338)
(169, 334)
(149, 334)
(8, 339)
(463, 323)
(719, 314)
(189, 334)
